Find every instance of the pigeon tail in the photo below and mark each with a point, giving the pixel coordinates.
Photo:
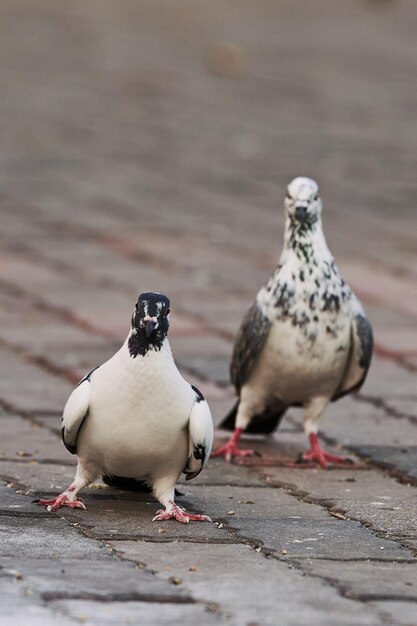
(126, 484)
(130, 484)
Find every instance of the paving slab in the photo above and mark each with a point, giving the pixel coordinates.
(110, 580)
(401, 459)
(220, 575)
(149, 613)
(109, 517)
(370, 580)
(402, 613)
(13, 503)
(18, 608)
(34, 442)
(372, 497)
(47, 331)
(35, 477)
(278, 521)
(27, 387)
(43, 538)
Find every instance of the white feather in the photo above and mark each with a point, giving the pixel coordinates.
(201, 434)
(75, 411)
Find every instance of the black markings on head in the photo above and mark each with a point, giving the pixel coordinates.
(150, 306)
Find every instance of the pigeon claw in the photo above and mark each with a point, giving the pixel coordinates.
(177, 513)
(60, 501)
(230, 450)
(323, 458)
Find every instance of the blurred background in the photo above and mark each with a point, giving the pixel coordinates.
(147, 144)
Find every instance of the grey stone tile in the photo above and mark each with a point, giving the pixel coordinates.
(376, 499)
(43, 538)
(25, 440)
(277, 521)
(127, 517)
(20, 608)
(26, 387)
(370, 581)
(96, 579)
(400, 612)
(220, 575)
(403, 459)
(149, 613)
(37, 477)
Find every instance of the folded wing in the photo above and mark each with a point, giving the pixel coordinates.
(359, 357)
(75, 411)
(200, 429)
(248, 345)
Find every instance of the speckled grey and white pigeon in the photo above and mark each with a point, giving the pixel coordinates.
(136, 417)
(305, 341)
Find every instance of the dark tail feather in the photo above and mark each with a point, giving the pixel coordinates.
(130, 484)
(126, 484)
(264, 424)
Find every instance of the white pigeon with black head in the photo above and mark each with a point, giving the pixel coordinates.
(305, 341)
(136, 417)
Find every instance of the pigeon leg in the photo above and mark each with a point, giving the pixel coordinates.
(318, 455)
(68, 497)
(230, 449)
(164, 491)
(313, 411)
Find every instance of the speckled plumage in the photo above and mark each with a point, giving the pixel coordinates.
(306, 340)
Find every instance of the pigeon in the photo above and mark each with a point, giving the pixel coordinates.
(136, 417)
(305, 341)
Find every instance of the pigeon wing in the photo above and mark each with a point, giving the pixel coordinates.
(359, 358)
(75, 411)
(200, 429)
(249, 342)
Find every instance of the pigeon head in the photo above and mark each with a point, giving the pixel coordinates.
(303, 203)
(150, 322)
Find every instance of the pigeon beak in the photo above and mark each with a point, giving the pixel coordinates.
(150, 324)
(150, 327)
(301, 213)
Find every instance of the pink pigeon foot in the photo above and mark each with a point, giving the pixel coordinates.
(175, 512)
(230, 449)
(62, 500)
(318, 455)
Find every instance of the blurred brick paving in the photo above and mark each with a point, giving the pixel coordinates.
(147, 145)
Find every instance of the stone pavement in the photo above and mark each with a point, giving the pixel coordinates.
(146, 145)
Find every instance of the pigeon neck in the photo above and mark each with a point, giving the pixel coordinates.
(305, 241)
(139, 344)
